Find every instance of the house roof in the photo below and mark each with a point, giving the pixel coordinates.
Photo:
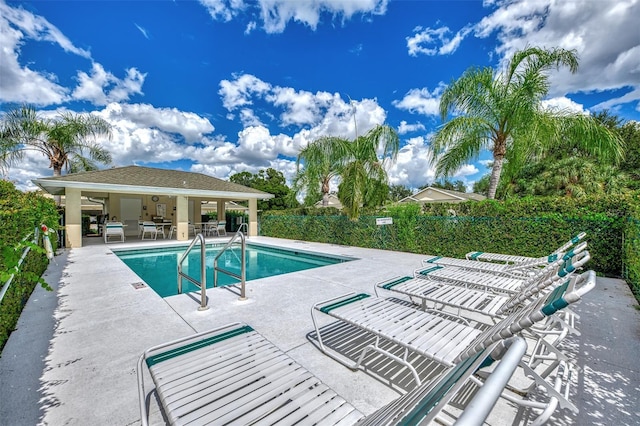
(334, 201)
(439, 195)
(138, 179)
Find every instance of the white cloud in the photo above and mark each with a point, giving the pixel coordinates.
(321, 113)
(144, 31)
(20, 84)
(466, 170)
(286, 167)
(33, 165)
(413, 167)
(238, 92)
(224, 10)
(587, 26)
(405, 128)
(189, 125)
(438, 41)
(102, 87)
(301, 107)
(37, 28)
(421, 101)
(564, 104)
(276, 14)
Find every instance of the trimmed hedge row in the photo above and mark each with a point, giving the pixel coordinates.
(20, 214)
(35, 263)
(531, 226)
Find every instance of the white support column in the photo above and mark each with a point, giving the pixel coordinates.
(220, 208)
(253, 217)
(73, 218)
(197, 210)
(182, 217)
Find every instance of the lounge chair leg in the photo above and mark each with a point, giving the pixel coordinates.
(562, 400)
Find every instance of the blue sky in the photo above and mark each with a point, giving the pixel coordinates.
(225, 86)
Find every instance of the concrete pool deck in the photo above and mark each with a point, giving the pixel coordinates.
(72, 358)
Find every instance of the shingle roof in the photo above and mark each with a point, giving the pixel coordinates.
(148, 177)
(455, 196)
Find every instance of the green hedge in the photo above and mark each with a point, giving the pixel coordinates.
(631, 253)
(530, 226)
(34, 265)
(20, 214)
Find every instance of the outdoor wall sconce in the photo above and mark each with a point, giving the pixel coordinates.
(144, 207)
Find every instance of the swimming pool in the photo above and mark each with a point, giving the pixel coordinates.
(158, 267)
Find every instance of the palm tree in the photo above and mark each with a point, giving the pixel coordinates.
(356, 163)
(321, 159)
(502, 112)
(63, 140)
(363, 174)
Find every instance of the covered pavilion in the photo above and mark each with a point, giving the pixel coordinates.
(133, 193)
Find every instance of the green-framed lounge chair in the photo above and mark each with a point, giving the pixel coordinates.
(517, 270)
(498, 282)
(233, 375)
(439, 339)
(511, 259)
(492, 304)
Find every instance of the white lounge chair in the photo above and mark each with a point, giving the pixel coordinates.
(498, 281)
(443, 340)
(492, 304)
(508, 269)
(233, 375)
(113, 229)
(510, 258)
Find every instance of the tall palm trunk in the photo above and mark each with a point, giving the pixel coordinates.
(57, 171)
(325, 192)
(496, 171)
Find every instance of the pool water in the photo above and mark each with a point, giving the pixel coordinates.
(158, 267)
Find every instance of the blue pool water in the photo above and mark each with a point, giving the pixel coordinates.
(158, 267)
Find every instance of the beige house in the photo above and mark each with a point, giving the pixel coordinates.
(135, 193)
(438, 195)
(333, 201)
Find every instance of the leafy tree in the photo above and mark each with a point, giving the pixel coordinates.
(573, 177)
(502, 111)
(581, 173)
(271, 181)
(630, 134)
(244, 178)
(356, 163)
(398, 192)
(68, 140)
(363, 174)
(450, 186)
(481, 186)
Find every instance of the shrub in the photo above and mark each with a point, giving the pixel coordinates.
(20, 214)
(529, 226)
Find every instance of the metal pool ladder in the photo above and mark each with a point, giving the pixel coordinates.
(203, 271)
(243, 267)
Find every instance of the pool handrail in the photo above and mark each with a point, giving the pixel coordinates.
(203, 271)
(243, 265)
